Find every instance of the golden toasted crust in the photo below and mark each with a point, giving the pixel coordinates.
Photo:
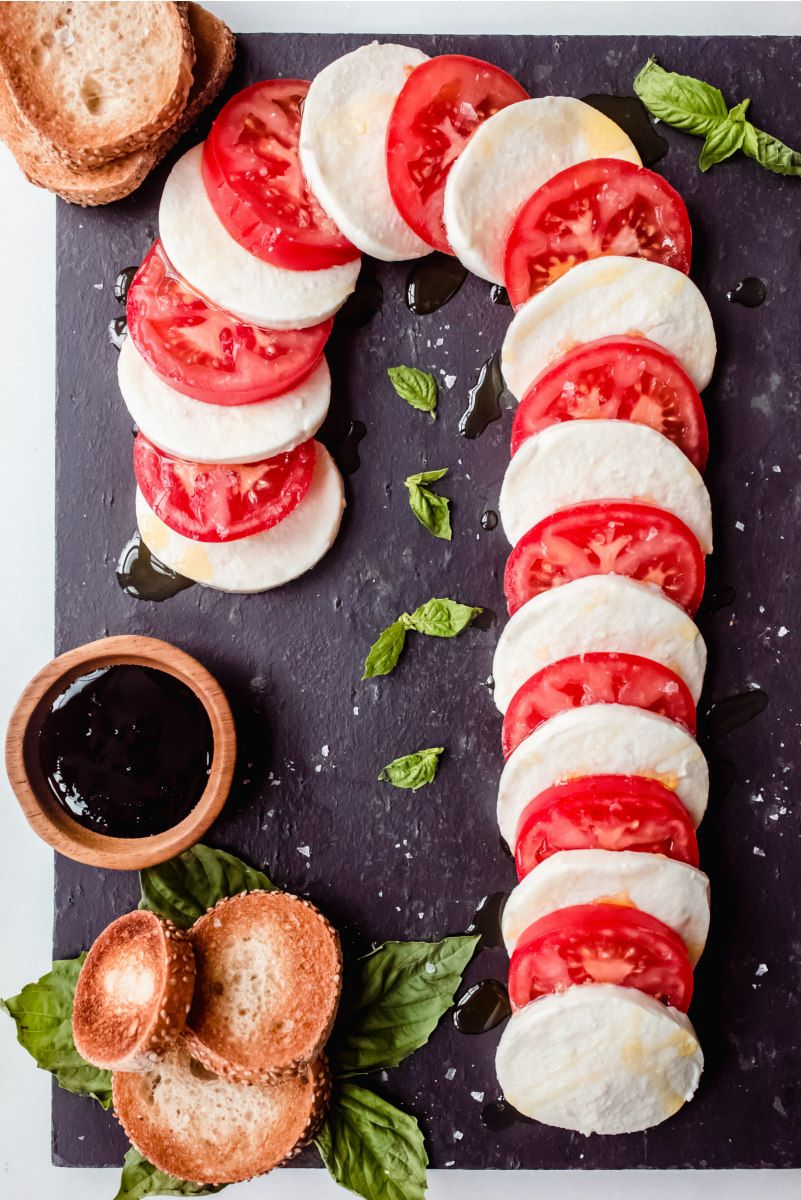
(269, 976)
(208, 1130)
(133, 993)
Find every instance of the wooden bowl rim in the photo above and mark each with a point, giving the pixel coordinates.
(51, 823)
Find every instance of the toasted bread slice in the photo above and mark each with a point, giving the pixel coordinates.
(133, 993)
(199, 1127)
(269, 975)
(214, 56)
(96, 80)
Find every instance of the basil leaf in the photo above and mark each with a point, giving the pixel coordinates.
(417, 388)
(394, 999)
(431, 510)
(724, 141)
(680, 100)
(770, 152)
(413, 770)
(184, 888)
(385, 651)
(371, 1147)
(43, 1015)
(140, 1178)
(441, 618)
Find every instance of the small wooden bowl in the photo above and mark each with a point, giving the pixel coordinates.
(45, 815)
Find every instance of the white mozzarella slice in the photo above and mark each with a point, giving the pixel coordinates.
(602, 739)
(578, 461)
(673, 892)
(597, 613)
(599, 1059)
(343, 140)
(511, 155)
(604, 296)
(214, 433)
(202, 250)
(263, 560)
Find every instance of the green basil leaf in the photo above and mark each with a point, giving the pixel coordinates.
(413, 770)
(770, 152)
(385, 651)
(431, 510)
(140, 1178)
(424, 477)
(441, 618)
(43, 1015)
(184, 888)
(393, 1001)
(417, 388)
(371, 1147)
(722, 142)
(680, 100)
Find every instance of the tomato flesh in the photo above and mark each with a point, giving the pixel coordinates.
(203, 351)
(623, 378)
(222, 502)
(621, 537)
(251, 169)
(605, 812)
(440, 106)
(600, 943)
(598, 207)
(599, 677)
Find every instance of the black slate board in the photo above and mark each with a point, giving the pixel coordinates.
(387, 864)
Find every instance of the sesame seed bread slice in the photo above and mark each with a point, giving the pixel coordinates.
(199, 1127)
(269, 976)
(133, 993)
(96, 80)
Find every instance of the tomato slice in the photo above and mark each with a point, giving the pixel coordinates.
(621, 537)
(599, 677)
(605, 812)
(222, 502)
(601, 206)
(627, 378)
(251, 169)
(203, 351)
(441, 105)
(600, 943)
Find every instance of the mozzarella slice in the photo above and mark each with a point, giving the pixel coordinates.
(610, 295)
(202, 250)
(599, 1059)
(508, 157)
(343, 139)
(578, 461)
(673, 892)
(597, 612)
(216, 433)
(602, 739)
(263, 560)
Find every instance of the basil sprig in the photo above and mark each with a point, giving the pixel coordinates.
(413, 771)
(416, 387)
(697, 107)
(432, 510)
(371, 1147)
(184, 888)
(140, 1179)
(438, 617)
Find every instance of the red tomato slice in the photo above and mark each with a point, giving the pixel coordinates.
(600, 943)
(601, 206)
(600, 677)
(627, 378)
(605, 812)
(203, 351)
(621, 537)
(223, 501)
(251, 169)
(441, 105)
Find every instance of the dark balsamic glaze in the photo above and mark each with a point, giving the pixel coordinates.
(632, 116)
(123, 282)
(489, 519)
(347, 450)
(141, 575)
(362, 304)
(722, 597)
(484, 399)
(498, 1115)
(729, 714)
(482, 1007)
(487, 919)
(485, 619)
(117, 329)
(126, 750)
(505, 848)
(499, 294)
(432, 282)
(750, 292)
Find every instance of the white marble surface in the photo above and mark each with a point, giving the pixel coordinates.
(27, 328)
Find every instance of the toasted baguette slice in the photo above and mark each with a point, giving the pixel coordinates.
(133, 993)
(196, 1126)
(96, 80)
(214, 56)
(269, 975)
